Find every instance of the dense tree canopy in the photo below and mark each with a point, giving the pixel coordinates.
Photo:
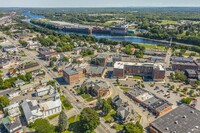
(89, 120)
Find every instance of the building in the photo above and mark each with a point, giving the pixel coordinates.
(183, 119)
(100, 60)
(19, 83)
(51, 107)
(77, 50)
(60, 66)
(120, 30)
(96, 88)
(31, 110)
(47, 53)
(12, 125)
(152, 71)
(21, 36)
(10, 49)
(47, 90)
(125, 112)
(95, 71)
(33, 45)
(13, 94)
(183, 66)
(13, 110)
(29, 66)
(26, 88)
(73, 75)
(34, 110)
(183, 63)
(149, 101)
(4, 62)
(191, 73)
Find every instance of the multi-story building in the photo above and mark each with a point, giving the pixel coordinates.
(47, 53)
(96, 88)
(119, 30)
(100, 60)
(146, 70)
(183, 119)
(73, 75)
(29, 66)
(183, 63)
(13, 110)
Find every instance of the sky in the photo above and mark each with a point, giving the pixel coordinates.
(97, 3)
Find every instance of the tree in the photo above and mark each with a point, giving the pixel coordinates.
(106, 108)
(43, 126)
(133, 128)
(187, 100)
(99, 103)
(89, 120)
(66, 103)
(62, 122)
(28, 77)
(4, 101)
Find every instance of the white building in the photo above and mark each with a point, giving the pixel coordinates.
(47, 90)
(13, 110)
(51, 107)
(31, 110)
(34, 110)
(13, 94)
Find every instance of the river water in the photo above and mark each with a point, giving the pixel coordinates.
(133, 39)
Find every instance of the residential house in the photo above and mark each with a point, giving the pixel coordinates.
(12, 125)
(26, 88)
(13, 94)
(18, 83)
(13, 110)
(47, 90)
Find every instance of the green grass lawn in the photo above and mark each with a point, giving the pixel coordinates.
(118, 127)
(110, 115)
(62, 97)
(125, 89)
(87, 97)
(53, 116)
(165, 22)
(156, 47)
(137, 77)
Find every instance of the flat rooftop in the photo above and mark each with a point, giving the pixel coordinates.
(120, 65)
(183, 119)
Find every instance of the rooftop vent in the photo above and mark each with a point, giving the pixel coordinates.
(184, 116)
(192, 111)
(176, 122)
(197, 127)
(167, 128)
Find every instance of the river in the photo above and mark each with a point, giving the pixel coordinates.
(133, 39)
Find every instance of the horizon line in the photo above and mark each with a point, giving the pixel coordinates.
(99, 6)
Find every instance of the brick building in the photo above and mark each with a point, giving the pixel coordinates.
(100, 60)
(154, 71)
(29, 66)
(47, 53)
(73, 75)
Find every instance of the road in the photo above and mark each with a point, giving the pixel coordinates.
(78, 106)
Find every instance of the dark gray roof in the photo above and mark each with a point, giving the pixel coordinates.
(117, 101)
(70, 71)
(123, 112)
(183, 119)
(95, 70)
(13, 125)
(190, 71)
(181, 59)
